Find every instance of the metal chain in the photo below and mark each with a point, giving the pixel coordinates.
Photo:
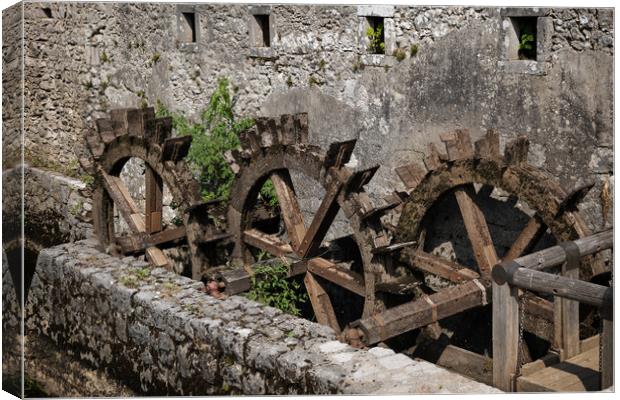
(521, 323)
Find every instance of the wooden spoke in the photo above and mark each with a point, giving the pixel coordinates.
(529, 236)
(269, 243)
(125, 204)
(289, 207)
(154, 200)
(130, 212)
(137, 243)
(478, 233)
(322, 220)
(322, 305)
(438, 266)
(423, 311)
(338, 275)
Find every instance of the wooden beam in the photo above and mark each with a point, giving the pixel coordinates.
(402, 286)
(437, 265)
(569, 310)
(556, 255)
(154, 200)
(411, 175)
(607, 353)
(138, 243)
(345, 278)
(269, 243)
(322, 220)
(421, 312)
(457, 359)
(531, 233)
(322, 305)
(289, 207)
(478, 232)
(574, 289)
(123, 201)
(505, 336)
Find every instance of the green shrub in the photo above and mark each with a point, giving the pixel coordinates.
(375, 36)
(270, 287)
(400, 54)
(413, 50)
(217, 132)
(527, 45)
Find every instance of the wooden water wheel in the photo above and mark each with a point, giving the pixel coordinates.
(459, 180)
(276, 149)
(137, 133)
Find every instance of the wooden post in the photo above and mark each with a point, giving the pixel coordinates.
(607, 352)
(505, 336)
(570, 320)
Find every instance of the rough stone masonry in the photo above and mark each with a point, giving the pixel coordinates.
(160, 333)
(83, 59)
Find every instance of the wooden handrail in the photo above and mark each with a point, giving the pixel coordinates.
(556, 255)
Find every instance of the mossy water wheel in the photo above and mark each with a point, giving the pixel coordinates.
(137, 133)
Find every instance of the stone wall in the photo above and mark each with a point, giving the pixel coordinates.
(84, 59)
(160, 334)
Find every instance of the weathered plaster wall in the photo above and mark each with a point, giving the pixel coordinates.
(88, 58)
(160, 334)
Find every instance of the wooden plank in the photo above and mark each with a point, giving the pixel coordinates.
(488, 147)
(338, 154)
(323, 218)
(176, 148)
(323, 309)
(267, 131)
(393, 200)
(290, 210)
(458, 144)
(539, 317)
(478, 232)
(577, 374)
(392, 247)
(154, 200)
(137, 243)
(516, 151)
(607, 353)
(437, 265)
(421, 312)
(402, 285)
(540, 364)
(529, 236)
(434, 158)
(157, 257)
(505, 336)
(269, 243)
(411, 175)
(345, 278)
(457, 359)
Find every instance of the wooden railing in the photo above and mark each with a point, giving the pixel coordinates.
(526, 273)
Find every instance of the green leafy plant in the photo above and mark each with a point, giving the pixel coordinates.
(104, 57)
(413, 50)
(527, 45)
(376, 43)
(400, 54)
(216, 133)
(270, 287)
